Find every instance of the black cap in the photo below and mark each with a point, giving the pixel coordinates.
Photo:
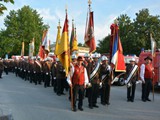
(79, 58)
(148, 58)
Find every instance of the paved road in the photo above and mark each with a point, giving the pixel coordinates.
(34, 102)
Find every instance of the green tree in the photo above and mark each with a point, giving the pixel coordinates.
(22, 25)
(135, 34)
(144, 24)
(3, 7)
(80, 44)
(126, 33)
(103, 45)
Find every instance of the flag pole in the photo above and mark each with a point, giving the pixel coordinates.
(89, 5)
(152, 53)
(152, 80)
(71, 87)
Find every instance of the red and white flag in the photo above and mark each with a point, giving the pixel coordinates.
(89, 33)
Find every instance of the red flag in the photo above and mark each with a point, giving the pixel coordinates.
(116, 50)
(41, 52)
(42, 47)
(89, 34)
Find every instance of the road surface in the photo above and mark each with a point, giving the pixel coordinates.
(27, 101)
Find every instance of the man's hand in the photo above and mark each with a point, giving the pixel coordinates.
(143, 82)
(70, 85)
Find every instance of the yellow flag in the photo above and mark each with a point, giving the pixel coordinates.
(74, 44)
(63, 49)
(58, 39)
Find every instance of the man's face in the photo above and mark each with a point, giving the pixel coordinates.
(74, 60)
(105, 61)
(95, 59)
(86, 58)
(80, 62)
(132, 62)
(148, 61)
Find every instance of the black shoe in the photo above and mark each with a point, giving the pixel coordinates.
(143, 100)
(96, 106)
(90, 106)
(148, 99)
(108, 103)
(132, 100)
(62, 93)
(58, 94)
(80, 108)
(103, 103)
(74, 110)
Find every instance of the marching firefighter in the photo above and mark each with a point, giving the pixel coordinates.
(105, 77)
(131, 78)
(87, 64)
(6, 66)
(47, 69)
(1, 67)
(93, 91)
(53, 72)
(38, 69)
(78, 81)
(60, 77)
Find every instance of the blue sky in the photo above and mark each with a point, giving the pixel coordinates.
(105, 11)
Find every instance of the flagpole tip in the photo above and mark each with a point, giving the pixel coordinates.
(89, 2)
(115, 21)
(59, 26)
(66, 8)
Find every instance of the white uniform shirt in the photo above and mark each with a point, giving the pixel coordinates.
(142, 71)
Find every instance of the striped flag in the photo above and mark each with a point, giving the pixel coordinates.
(116, 50)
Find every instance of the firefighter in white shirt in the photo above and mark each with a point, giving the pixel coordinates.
(78, 79)
(146, 75)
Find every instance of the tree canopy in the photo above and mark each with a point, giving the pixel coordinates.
(21, 25)
(3, 7)
(135, 34)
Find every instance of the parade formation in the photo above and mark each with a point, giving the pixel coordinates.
(89, 75)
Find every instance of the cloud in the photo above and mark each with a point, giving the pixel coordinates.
(46, 14)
